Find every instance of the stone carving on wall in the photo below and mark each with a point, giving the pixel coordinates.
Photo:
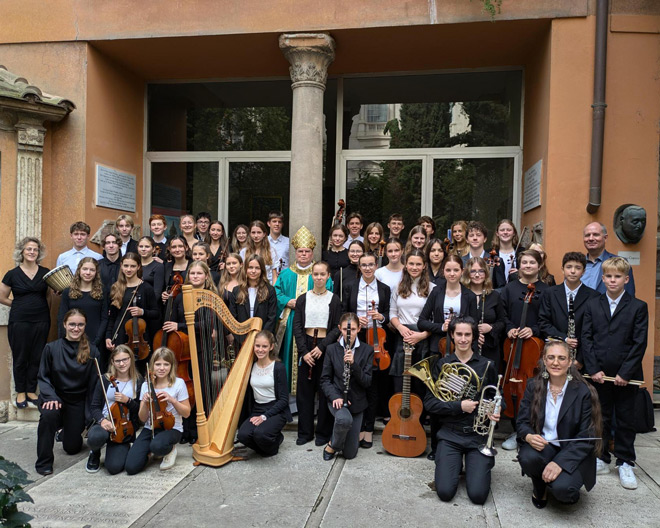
(309, 54)
(629, 223)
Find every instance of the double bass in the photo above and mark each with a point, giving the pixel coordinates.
(177, 341)
(375, 337)
(523, 358)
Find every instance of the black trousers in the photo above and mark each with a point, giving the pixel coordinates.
(160, 445)
(71, 419)
(565, 488)
(622, 401)
(265, 438)
(115, 454)
(306, 391)
(452, 447)
(27, 341)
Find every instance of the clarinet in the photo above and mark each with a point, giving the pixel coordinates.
(570, 333)
(347, 365)
(483, 310)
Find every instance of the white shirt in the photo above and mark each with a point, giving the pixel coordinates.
(317, 309)
(73, 257)
(356, 343)
(180, 393)
(614, 302)
(252, 295)
(452, 302)
(262, 381)
(366, 294)
(506, 260)
(281, 246)
(391, 278)
(407, 310)
(570, 292)
(351, 239)
(552, 414)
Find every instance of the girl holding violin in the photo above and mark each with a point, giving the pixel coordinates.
(177, 261)
(407, 303)
(518, 299)
(435, 254)
(164, 403)
(239, 238)
(153, 270)
(391, 273)
(187, 226)
(67, 376)
(505, 241)
(202, 251)
(348, 274)
(86, 294)
(417, 239)
(115, 426)
(258, 244)
(490, 310)
(459, 238)
(373, 235)
(369, 298)
(336, 255)
(218, 244)
(133, 309)
(231, 276)
(266, 399)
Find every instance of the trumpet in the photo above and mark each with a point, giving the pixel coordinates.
(456, 381)
(486, 408)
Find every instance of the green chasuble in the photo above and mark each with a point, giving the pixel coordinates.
(291, 284)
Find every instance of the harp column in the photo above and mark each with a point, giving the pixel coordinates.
(309, 54)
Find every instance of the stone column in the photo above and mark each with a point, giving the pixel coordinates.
(29, 174)
(309, 54)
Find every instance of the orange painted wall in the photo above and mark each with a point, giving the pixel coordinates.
(115, 123)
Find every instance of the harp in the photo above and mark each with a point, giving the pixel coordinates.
(217, 418)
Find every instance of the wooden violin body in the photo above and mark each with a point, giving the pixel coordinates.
(124, 429)
(161, 418)
(375, 337)
(136, 328)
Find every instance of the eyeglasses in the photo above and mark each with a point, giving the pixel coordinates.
(368, 266)
(477, 272)
(120, 361)
(355, 252)
(75, 325)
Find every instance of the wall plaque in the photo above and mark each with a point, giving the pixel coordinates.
(532, 195)
(115, 189)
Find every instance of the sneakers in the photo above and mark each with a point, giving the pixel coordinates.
(93, 462)
(627, 476)
(58, 435)
(510, 443)
(601, 467)
(168, 460)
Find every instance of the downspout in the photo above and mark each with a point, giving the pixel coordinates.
(598, 106)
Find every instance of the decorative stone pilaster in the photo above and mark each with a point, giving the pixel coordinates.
(309, 54)
(29, 176)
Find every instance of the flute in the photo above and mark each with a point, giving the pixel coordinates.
(610, 378)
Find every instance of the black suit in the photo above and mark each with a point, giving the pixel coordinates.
(432, 316)
(512, 297)
(132, 246)
(615, 344)
(576, 459)
(553, 313)
(495, 316)
(265, 310)
(498, 272)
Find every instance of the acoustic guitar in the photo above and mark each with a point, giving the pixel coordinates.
(404, 435)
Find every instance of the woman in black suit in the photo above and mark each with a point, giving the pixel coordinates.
(359, 298)
(267, 399)
(359, 362)
(558, 404)
(255, 297)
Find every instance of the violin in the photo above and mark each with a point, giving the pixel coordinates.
(442, 344)
(137, 328)
(161, 418)
(339, 215)
(524, 355)
(124, 429)
(381, 252)
(492, 260)
(377, 336)
(177, 341)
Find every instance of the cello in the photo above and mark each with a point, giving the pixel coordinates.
(177, 341)
(136, 327)
(523, 359)
(377, 336)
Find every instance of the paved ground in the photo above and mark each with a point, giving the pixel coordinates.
(297, 488)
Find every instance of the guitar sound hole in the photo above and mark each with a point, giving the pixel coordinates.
(405, 413)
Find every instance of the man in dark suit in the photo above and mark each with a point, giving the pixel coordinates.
(595, 236)
(614, 339)
(557, 303)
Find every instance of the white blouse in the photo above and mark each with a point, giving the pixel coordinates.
(317, 309)
(262, 381)
(408, 310)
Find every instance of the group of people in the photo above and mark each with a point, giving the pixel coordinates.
(448, 298)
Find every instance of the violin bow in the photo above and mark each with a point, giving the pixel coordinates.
(105, 394)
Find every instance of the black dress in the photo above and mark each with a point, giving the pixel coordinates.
(29, 323)
(335, 259)
(494, 315)
(96, 311)
(145, 300)
(154, 275)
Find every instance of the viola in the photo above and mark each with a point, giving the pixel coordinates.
(381, 252)
(377, 336)
(161, 418)
(442, 344)
(136, 327)
(523, 358)
(124, 429)
(177, 341)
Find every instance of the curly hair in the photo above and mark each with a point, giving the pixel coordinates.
(18, 251)
(97, 286)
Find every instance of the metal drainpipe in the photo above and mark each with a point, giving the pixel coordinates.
(598, 127)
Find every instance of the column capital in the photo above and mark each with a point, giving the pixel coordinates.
(30, 135)
(309, 54)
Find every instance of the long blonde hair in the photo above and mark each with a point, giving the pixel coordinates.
(119, 288)
(225, 278)
(208, 281)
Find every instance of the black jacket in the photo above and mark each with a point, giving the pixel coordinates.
(573, 422)
(98, 402)
(332, 376)
(498, 272)
(343, 277)
(281, 396)
(512, 297)
(495, 316)
(349, 302)
(432, 316)
(553, 313)
(332, 326)
(147, 301)
(266, 311)
(615, 344)
(109, 272)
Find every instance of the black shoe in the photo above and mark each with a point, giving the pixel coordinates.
(192, 440)
(33, 401)
(21, 405)
(302, 441)
(93, 462)
(539, 503)
(320, 442)
(44, 471)
(280, 440)
(366, 445)
(327, 455)
(58, 435)
(430, 456)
